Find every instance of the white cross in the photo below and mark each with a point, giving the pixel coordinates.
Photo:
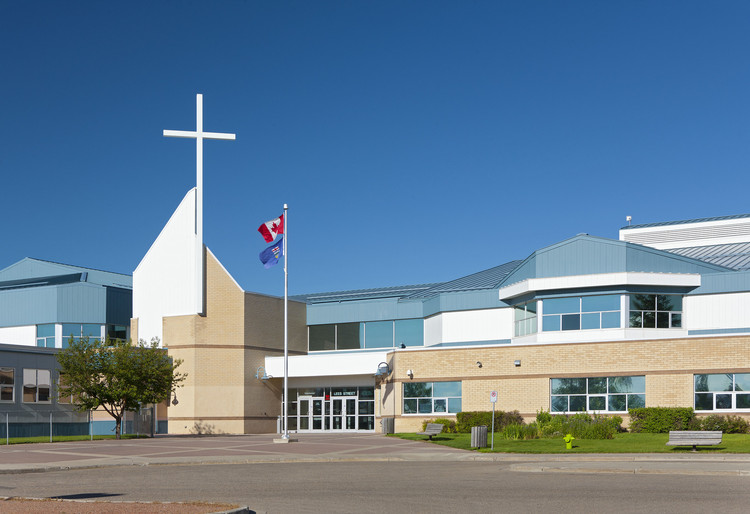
(199, 136)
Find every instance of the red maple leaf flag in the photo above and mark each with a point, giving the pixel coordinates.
(270, 229)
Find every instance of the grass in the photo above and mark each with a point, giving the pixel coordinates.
(64, 438)
(622, 443)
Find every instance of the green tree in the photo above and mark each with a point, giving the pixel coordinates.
(117, 375)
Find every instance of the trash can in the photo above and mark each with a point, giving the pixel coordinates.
(479, 436)
(387, 425)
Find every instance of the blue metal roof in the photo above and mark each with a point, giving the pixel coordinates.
(29, 268)
(733, 255)
(682, 222)
(487, 279)
(363, 294)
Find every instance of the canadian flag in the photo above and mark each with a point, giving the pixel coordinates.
(270, 229)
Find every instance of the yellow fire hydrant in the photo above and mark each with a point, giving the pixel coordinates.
(568, 441)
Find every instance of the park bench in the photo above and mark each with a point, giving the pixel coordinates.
(694, 438)
(432, 429)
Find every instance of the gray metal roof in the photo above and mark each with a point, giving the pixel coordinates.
(363, 294)
(681, 222)
(733, 255)
(487, 279)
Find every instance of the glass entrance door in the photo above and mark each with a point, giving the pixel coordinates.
(344, 413)
(310, 413)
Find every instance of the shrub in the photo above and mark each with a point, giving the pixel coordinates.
(449, 425)
(543, 417)
(468, 419)
(582, 426)
(659, 420)
(727, 424)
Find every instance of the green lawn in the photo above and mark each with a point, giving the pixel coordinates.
(622, 443)
(64, 438)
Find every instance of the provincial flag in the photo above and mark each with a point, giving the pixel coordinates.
(271, 255)
(270, 229)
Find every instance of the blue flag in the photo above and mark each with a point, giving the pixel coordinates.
(271, 255)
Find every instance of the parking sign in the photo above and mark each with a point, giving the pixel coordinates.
(493, 397)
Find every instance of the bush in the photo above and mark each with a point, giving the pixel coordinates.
(660, 420)
(449, 425)
(581, 426)
(515, 431)
(466, 420)
(727, 424)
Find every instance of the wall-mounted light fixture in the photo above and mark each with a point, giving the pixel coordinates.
(517, 363)
(410, 373)
(479, 364)
(264, 376)
(383, 370)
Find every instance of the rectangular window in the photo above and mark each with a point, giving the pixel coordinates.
(409, 332)
(722, 391)
(379, 334)
(371, 334)
(322, 337)
(596, 394)
(45, 335)
(7, 385)
(349, 336)
(525, 319)
(581, 313)
(655, 311)
(432, 397)
(36, 385)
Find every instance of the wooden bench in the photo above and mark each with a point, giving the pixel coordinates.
(694, 438)
(431, 429)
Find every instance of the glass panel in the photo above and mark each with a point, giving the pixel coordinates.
(636, 319)
(597, 385)
(701, 383)
(424, 405)
(410, 406)
(366, 392)
(337, 406)
(642, 302)
(600, 303)
(367, 407)
(50, 342)
(636, 401)
(559, 404)
(454, 405)
(519, 312)
(719, 382)
(322, 337)
(6, 376)
(704, 401)
(417, 389)
(590, 321)
(611, 319)
(627, 384)
(550, 323)
(662, 320)
(29, 394)
(676, 320)
(292, 423)
(45, 330)
(69, 329)
(6, 393)
(649, 320)
(568, 385)
(669, 302)
(317, 407)
(571, 321)
(304, 423)
(379, 334)
(410, 332)
(40, 342)
(743, 401)
(617, 403)
(597, 403)
(742, 382)
(347, 336)
(440, 405)
(351, 406)
(351, 422)
(93, 331)
(577, 403)
(447, 389)
(366, 423)
(561, 305)
(723, 401)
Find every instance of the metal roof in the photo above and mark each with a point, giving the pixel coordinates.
(487, 279)
(732, 255)
(682, 222)
(363, 294)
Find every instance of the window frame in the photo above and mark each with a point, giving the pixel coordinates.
(593, 390)
(732, 394)
(433, 400)
(36, 386)
(11, 386)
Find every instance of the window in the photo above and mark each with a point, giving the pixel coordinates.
(80, 330)
(610, 394)
(655, 311)
(432, 397)
(581, 313)
(722, 391)
(524, 316)
(7, 385)
(371, 334)
(117, 332)
(45, 335)
(36, 385)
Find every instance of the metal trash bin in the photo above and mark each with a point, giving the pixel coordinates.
(479, 436)
(387, 425)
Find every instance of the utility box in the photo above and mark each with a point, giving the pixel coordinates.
(479, 436)
(387, 425)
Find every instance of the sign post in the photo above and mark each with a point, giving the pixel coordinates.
(493, 401)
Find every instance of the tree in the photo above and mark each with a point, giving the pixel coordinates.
(117, 375)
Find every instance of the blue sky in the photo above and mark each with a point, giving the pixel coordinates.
(414, 141)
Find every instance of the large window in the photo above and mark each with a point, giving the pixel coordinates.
(79, 330)
(581, 313)
(371, 334)
(45, 335)
(36, 385)
(722, 391)
(524, 316)
(432, 397)
(610, 394)
(7, 385)
(655, 311)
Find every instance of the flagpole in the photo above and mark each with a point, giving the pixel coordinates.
(286, 330)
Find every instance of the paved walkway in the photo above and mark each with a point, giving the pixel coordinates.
(251, 449)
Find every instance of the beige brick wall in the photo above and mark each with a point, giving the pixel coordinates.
(668, 365)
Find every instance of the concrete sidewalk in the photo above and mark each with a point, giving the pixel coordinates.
(258, 449)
